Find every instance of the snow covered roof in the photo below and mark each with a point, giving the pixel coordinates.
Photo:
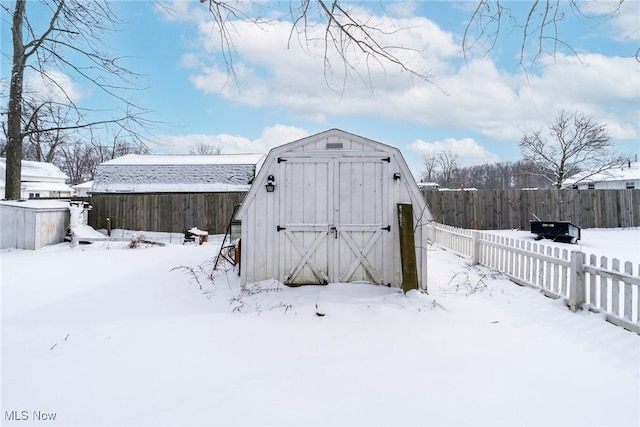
(36, 204)
(36, 171)
(182, 159)
(136, 173)
(46, 186)
(83, 185)
(626, 172)
(431, 185)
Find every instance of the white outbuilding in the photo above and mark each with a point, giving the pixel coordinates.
(33, 224)
(624, 177)
(38, 180)
(324, 209)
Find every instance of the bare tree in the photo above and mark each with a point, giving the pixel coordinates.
(79, 159)
(71, 43)
(202, 148)
(441, 166)
(494, 176)
(430, 163)
(448, 162)
(346, 39)
(349, 38)
(537, 25)
(572, 143)
(525, 174)
(77, 162)
(44, 131)
(118, 147)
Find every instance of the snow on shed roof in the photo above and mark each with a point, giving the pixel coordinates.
(182, 159)
(136, 173)
(36, 204)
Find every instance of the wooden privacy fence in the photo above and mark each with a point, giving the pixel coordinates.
(166, 212)
(601, 285)
(480, 210)
(513, 209)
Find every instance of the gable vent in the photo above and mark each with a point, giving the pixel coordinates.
(334, 146)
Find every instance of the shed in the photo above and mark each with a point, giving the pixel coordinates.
(33, 224)
(323, 209)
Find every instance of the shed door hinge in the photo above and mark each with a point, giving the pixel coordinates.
(387, 159)
(280, 228)
(387, 228)
(280, 160)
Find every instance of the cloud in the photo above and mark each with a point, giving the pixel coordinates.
(182, 144)
(55, 86)
(275, 70)
(271, 136)
(181, 11)
(477, 96)
(404, 8)
(619, 18)
(285, 62)
(605, 88)
(277, 135)
(468, 151)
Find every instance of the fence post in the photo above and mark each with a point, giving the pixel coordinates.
(577, 294)
(475, 247)
(407, 247)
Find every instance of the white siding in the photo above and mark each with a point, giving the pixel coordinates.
(609, 185)
(32, 228)
(335, 202)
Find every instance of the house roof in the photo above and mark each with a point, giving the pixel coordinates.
(36, 171)
(626, 172)
(137, 173)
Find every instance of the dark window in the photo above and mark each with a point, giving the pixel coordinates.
(631, 185)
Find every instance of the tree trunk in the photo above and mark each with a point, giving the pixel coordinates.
(14, 114)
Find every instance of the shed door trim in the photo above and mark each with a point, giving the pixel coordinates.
(334, 249)
(360, 254)
(306, 256)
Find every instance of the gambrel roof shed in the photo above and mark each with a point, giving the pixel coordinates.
(323, 209)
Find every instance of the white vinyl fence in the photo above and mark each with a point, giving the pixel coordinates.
(584, 281)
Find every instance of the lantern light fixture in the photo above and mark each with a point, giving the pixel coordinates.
(270, 186)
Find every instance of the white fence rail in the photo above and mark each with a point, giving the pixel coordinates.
(598, 284)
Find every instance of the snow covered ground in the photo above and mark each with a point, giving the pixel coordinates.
(102, 334)
(621, 243)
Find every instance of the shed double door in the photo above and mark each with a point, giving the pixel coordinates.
(334, 218)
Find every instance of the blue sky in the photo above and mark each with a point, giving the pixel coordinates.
(478, 109)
